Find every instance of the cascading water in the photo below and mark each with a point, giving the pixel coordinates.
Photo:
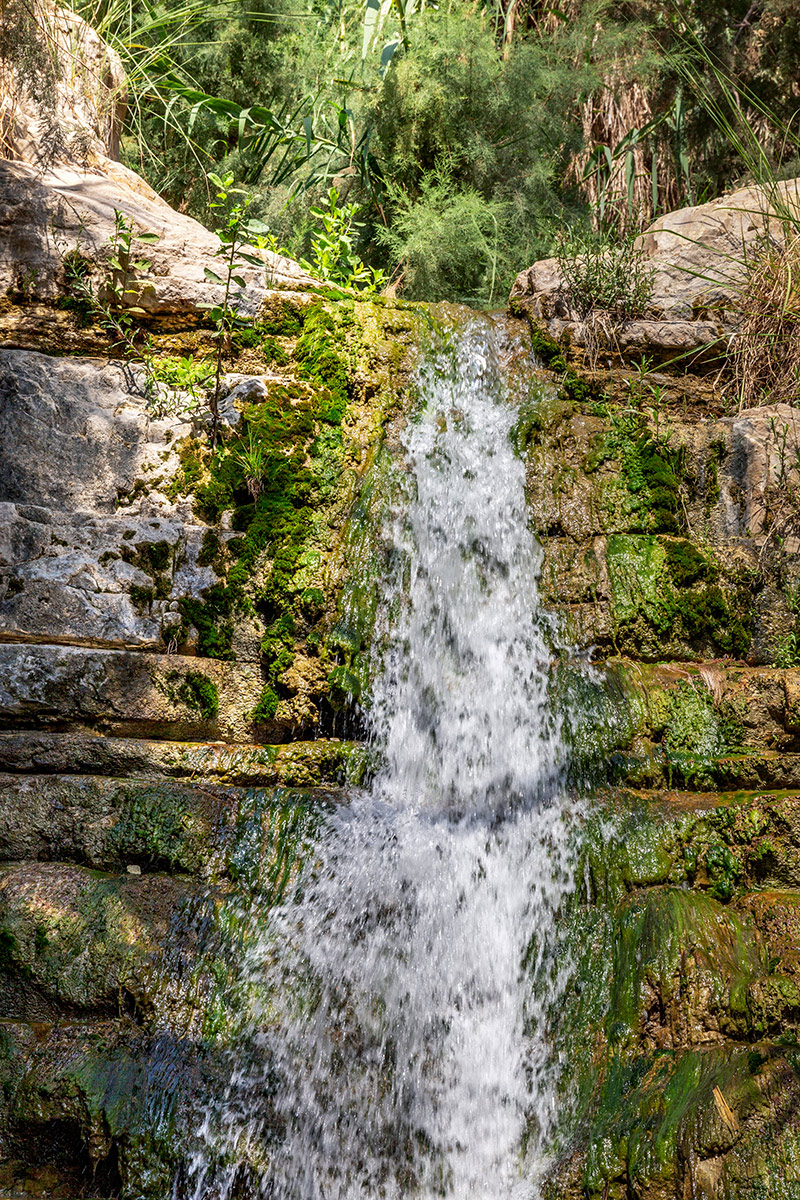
(403, 1050)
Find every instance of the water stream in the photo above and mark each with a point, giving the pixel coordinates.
(397, 1042)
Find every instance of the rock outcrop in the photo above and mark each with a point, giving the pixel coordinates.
(178, 638)
(669, 520)
(698, 259)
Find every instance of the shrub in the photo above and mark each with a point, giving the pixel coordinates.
(604, 271)
(446, 241)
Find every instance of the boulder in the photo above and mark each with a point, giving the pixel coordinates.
(61, 186)
(78, 118)
(698, 256)
(67, 210)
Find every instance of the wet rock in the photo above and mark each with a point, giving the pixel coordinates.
(137, 826)
(138, 693)
(667, 547)
(81, 940)
(325, 761)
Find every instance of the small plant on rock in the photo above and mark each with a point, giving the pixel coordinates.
(765, 352)
(787, 652)
(235, 233)
(333, 256)
(604, 271)
(183, 378)
(110, 304)
(254, 462)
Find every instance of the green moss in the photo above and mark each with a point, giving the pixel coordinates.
(266, 707)
(541, 410)
(211, 617)
(197, 692)
(687, 564)
(256, 338)
(573, 386)
(350, 643)
(9, 947)
(153, 559)
(211, 551)
(281, 319)
(667, 589)
(691, 726)
(142, 597)
(321, 361)
(650, 469)
(269, 568)
(193, 457)
(652, 937)
(724, 871)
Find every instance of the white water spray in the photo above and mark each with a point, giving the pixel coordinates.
(406, 1054)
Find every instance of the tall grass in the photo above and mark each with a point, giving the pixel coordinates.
(763, 275)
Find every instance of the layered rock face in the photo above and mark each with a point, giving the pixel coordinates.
(183, 629)
(177, 637)
(669, 522)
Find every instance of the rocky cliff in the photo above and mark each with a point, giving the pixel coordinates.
(183, 635)
(670, 521)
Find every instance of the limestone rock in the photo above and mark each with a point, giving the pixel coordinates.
(600, 521)
(46, 216)
(326, 761)
(132, 692)
(84, 122)
(60, 186)
(698, 258)
(88, 552)
(85, 939)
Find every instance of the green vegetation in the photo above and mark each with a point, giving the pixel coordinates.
(114, 302)
(650, 469)
(199, 693)
(235, 233)
(664, 589)
(284, 480)
(459, 140)
(604, 270)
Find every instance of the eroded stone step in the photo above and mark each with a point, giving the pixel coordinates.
(139, 694)
(322, 762)
(722, 843)
(130, 825)
(657, 767)
(76, 940)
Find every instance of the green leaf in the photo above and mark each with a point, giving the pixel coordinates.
(213, 276)
(371, 13)
(149, 238)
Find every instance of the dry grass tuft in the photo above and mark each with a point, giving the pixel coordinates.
(765, 353)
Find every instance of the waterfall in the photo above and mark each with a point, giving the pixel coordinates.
(397, 1040)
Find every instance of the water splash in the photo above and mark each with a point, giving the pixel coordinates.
(398, 1040)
